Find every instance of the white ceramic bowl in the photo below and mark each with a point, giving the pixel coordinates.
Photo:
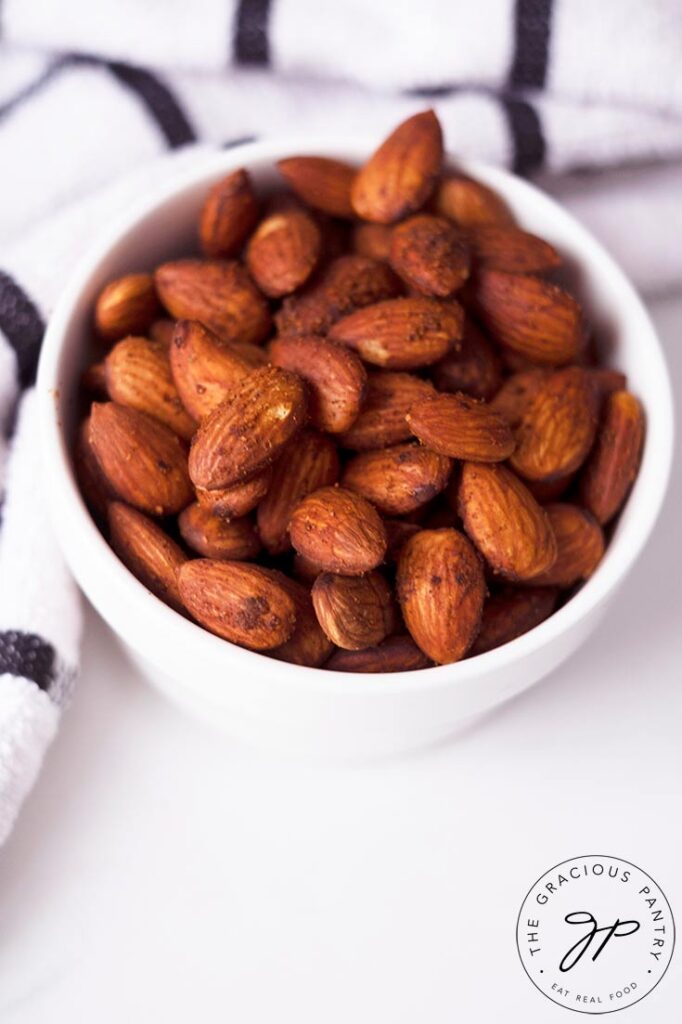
(272, 702)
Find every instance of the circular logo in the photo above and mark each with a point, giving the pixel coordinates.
(595, 934)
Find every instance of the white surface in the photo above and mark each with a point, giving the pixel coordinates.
(160, 872)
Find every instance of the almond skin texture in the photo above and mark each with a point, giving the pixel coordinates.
(441, 588)
(382, 420)
(138, 374)
(142, 460)
(512, 250)
(400, 176)
(531, 317)
(398, 479)
(323, 183)
(248, 431)
(373, 240)
(311, 463)
(347, 284)
(127, 305)
(233, 502)
(308, 644)
(580, 543)
(219, 293)
(511, 613)
(462, 428)
(147, 551)
(205, 369)
(402, 334)
(557, 430)
(475, 369)
(505, 522)
(517, 393)
(239, 602)
(283, 251)
(430, 254)
(469, 203)
(355, 612)
(215, 537)
(614, 461)
(335, 376)
(339, 531)
(395, 654)
(229, 214)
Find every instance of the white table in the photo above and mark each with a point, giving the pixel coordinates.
(161, 873)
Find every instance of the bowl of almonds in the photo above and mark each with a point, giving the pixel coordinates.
(350, 445)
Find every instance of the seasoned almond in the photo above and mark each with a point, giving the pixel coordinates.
(517, 393)
(580, 544)
(496, 247)
(239, 602)
(91, 479)
(339, 531)
(475, 368)
(441, 588)
(205, 369)
(511, 613)
(142, 460)
(234, 502)
(283, 251)
(249, 430)
(335, 376)
(229, 214)
(138, 374)
(402, 334)
(373, 240)
(400, 176)
(308, 644)
(355, 612)
(397, 479)
(214, 536)
(382, 420)
(127, 305)
(614, 461)
(505, 522)
(430, 254)
(321, 182)
(469, 203)
(147, 551)
(219, 293)
(395, 654)
(462, 428)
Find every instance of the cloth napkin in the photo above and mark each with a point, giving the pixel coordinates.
(101, 102)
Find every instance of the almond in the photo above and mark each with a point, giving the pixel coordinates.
(469, 203)
(91, 479)
(397, 479)
(219, 293)
(517, 393)
(505, 522)
(311, 463)
(462, 428)
(234, 502)
(229, 214)
(283, 251)
(138, 374)
(249, 430)
(496, 247)
(339, 531)
(580, 544)
(614, 461)
(557, 430)
(214, 536)
(373, 240)
(395, 654)
(400, 176)
(205, 369)
(475, 369)
(355, 612)
(147, 551)
(335, 376)
(430, 254)
(239, 602)
(382, 420)
(402, 334)
(142, 460)
(606, 381)
(532, 317)
(511, 613)
(127, 305)
(320, 182)
(441, 588)
(308, 644)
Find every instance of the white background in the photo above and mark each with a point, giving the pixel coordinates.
(162, 873)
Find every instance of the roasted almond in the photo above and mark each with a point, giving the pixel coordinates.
(205, 369)
(382, 420)
(462, 428)
(373, 240)
(508, 248)
(321, 182)
(614, 461)
(214, 536)
(517, 393)
(469, 203)
(580, 544)
(441, 588)
(402, 334)
(339, 531)
(249, 430)
(229, 214)
(532, 317)
(127, 305)
(138, 374)
(308, 644)
(239, 602)
(283, 251)
(219, 293)
(511, 613)
(397, 479)
(355, 612)
(91, 479)
(142, 460)
(430, 254)
(147, 551)
(505, 522)
(395, 654)
(475, 368)
(400, 176)
(234, 502)
(335, 376)
(557, 429)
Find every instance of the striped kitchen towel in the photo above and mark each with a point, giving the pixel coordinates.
(586, 96)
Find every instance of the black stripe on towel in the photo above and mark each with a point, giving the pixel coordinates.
(28, 655)
(22, 325)
(251, 44)
(526, 133)
(532, 20)
(239, 141)
(159, 101)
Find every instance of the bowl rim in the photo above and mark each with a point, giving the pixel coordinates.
(66, 503)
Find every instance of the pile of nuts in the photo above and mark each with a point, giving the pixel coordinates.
(365, 429)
